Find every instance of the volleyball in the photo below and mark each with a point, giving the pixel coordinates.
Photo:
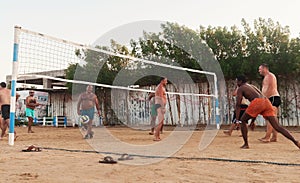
(84, 119)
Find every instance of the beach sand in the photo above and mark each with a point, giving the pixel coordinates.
(67, 157)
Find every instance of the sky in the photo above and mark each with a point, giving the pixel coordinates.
(85, 21)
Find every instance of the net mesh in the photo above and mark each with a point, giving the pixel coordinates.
(40, 54)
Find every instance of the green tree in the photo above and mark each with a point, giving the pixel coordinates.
(227, 46)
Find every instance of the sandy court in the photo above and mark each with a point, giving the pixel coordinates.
(67, 157)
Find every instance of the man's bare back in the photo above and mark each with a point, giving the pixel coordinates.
(248, 91)
(4, 96)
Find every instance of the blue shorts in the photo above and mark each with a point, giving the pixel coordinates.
(29, 112)
(153, 110)
(89, 112)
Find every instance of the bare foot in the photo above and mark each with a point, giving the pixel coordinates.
(227, 132)
(151, 133)
(245, 146)
(30, 131)
(16, 138)
(273, 140)
(157, 139)
(264, 140)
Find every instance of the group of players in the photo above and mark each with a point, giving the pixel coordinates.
(265, 103)
(88, 101)
(5, 100)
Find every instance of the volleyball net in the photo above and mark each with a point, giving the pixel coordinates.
(40, 59)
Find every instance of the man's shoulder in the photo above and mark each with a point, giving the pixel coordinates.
(242, 87)
(92, 94)
(83, 94)
(271, 75)
(159, 86)
(245, 87)
(268, 79)
(30, 98)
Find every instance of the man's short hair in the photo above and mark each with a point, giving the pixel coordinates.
(162, 78)
(265, 65)
(3, 84)
(242, 78)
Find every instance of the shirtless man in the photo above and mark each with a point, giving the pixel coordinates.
(5, 95)
(235, 124)
(259, 104)
(86, 106)
(31, 104)
(160, 102)
(269, 89)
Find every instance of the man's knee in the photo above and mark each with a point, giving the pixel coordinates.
(272, 120)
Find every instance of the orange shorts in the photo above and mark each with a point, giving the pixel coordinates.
(260, 106)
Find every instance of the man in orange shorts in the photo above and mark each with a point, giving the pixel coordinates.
(235, 124)
(259, 104)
